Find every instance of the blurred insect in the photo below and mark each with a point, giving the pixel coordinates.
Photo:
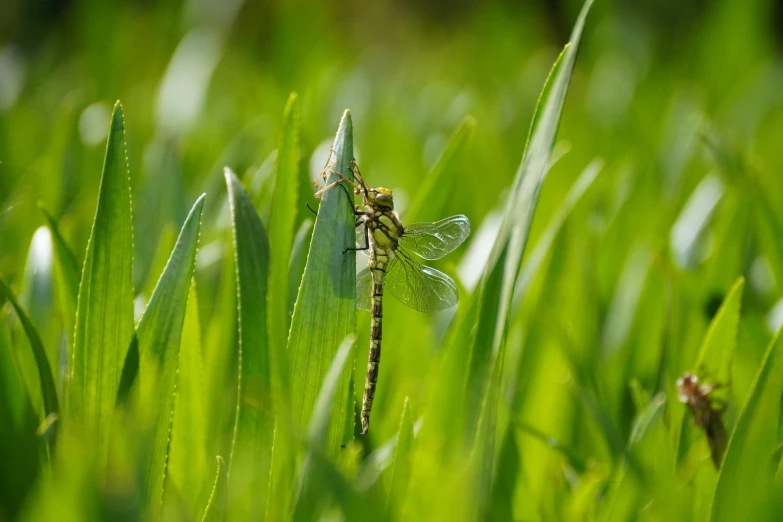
(707, 412)
(391, 264)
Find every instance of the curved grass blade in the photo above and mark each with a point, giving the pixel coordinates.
(281, 237)
(20, 452)
(215, 509)
(438, 186)
(715, 355)
(159, 334)
(325, 310)
(315, 472)
(48, 389)
(497, 285)
(747, 475)
(544, 245)
(188, 460)
(66, 275)
(251, 454)
(104, 317)
(296, 264)
(496, 289)
(401, 466)
(36, 296)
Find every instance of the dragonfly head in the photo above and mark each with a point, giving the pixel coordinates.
(687, 386)
(381, 197)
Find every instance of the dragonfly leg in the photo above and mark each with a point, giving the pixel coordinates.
(366, 243)
(311, 209)
(358, 175)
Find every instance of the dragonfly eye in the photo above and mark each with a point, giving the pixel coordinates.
(385, 200)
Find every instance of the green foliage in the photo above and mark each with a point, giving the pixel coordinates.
(217, 374)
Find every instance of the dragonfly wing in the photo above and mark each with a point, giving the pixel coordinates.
(364, 289)
(435, 240)
(420, 287)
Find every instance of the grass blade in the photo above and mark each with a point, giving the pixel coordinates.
(313, 468)
(747, 474)
(296, 264)
(440, 183)
(325, 310)
(66, 275)
(281, 237)
(714, 355)
(495, 292)
(19, 447)
(497, 285)
(188, 460)
(104, 317)
(48, 389)
(248, 469)
(401, 466)
(159, 334)
(214, 511)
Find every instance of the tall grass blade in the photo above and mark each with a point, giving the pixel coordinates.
(48, 390)
(104, 317)
(159, 334)
(248, 469)
(325, 310)
(748, 471)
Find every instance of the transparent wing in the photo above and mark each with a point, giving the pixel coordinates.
(420, 287)
(435, 240)
(363, 289)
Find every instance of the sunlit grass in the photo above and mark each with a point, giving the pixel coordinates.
(169, 355)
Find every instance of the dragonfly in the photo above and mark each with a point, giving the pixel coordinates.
(392, 264)
(706, 411)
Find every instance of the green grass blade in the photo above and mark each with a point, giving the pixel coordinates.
(746, 477)
(104, 318)
(215, 510)
(19, 447)
(439, 185)
(495, 293)
(544, 245)
(497, 284)
(188, 458)
(36, 297)
(310, 487)
(159, 334)
(249, 467)
(48, 389)
(714, 356)
(281, 237)
(401, 465)
(296, 264)
(66, 276)
(325, 310)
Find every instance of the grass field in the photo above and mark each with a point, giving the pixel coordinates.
(179, 337)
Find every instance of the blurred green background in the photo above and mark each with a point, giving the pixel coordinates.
(680, 101)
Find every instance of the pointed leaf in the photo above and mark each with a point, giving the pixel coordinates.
(248, 469)
(48, 389)
(439, 184)
(281, 227)
(188, 461)
(487, 339)
(314, 468)
(159, 334)
(401, 466)
(745, 484)
(325, 310)
(104, 318)
(66, 276)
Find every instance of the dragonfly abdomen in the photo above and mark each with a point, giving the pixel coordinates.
(374, 357)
